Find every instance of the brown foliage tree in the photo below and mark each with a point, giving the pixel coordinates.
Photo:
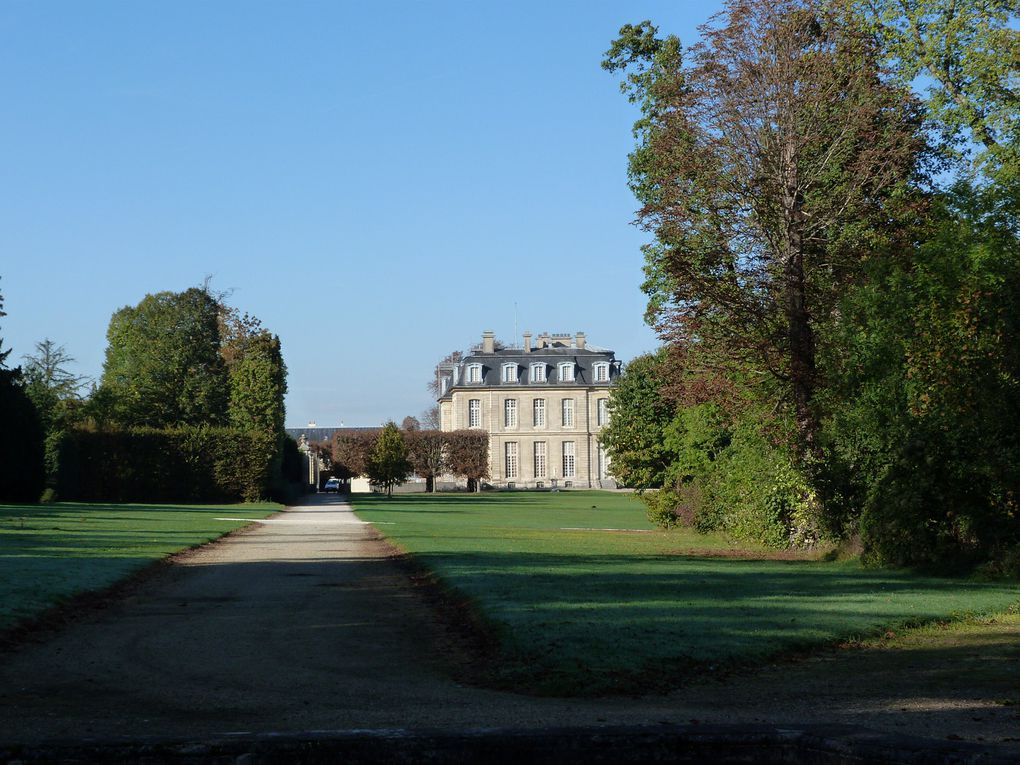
(351, 451)
(468, 455)
(426, 449)
(765, 167)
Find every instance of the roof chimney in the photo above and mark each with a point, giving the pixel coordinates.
(488, 341)
(527, 342)
(580, 341)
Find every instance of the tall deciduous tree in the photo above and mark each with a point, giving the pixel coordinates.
(388, 464)
(635, 436)
(430, 419)
(258, 381)
(163, 364)
(426, 450)
(468, 455)
(765, 164)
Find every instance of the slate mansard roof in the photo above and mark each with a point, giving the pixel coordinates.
(553, 352)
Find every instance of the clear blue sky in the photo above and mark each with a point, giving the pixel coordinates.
(379, 182)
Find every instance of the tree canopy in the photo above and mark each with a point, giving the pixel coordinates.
(388, 464)
(768, 158)
(640, 414)
(834, 274)
(163, 364)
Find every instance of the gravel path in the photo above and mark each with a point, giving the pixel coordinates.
(304, 622)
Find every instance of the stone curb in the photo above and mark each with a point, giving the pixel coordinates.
(562, 746)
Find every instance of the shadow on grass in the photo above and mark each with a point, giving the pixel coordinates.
(565, 625)
(596, 624)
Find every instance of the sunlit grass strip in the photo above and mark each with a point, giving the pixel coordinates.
(51, 552)
(587, 611)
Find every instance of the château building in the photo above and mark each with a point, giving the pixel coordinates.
(542, 407)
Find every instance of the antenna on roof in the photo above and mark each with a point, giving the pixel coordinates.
(513, 345)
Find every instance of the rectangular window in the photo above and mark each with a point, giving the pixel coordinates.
(601, 373)
(509, 373)
(475, 413)
(538, 373)
(474, 373)
(602, 413)
(568, 459)
(603, 465)
(568, 412)
(510, 413)
(566, 372)
(510, 451)
(539, 411)
(540, 462)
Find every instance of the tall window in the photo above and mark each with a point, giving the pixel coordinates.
(568, 412)
(539, 412)
(510, 452)
(601, 371)
(537, 373)
(509, 373)
(474, 373)
(602, 413)
(568, 459)
(475, 413)
(566, 372)
(603, 464)
(510, 413)
(540, 462)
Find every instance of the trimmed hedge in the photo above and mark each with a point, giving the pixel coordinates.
(182, 464)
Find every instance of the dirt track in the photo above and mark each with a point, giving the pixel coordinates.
(304, 622)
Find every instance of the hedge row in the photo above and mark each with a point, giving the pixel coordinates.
(183, 464)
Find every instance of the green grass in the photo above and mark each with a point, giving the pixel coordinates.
(591, 611)
(51, 552)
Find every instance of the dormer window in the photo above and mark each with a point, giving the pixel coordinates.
(537, 373)
(566, 372)
(601, 371)
(509, 373)
(474, 373)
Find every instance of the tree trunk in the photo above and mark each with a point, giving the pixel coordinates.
(800, 335)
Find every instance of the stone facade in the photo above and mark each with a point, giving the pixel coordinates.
(542, 406)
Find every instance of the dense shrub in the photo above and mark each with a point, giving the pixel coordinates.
(924, 435)
(183, 464)
(734, 475)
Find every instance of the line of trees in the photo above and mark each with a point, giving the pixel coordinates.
(390, 455)
(834, 273)
(191, 396)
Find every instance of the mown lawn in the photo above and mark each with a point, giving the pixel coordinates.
(587, 597)
(51, 552)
